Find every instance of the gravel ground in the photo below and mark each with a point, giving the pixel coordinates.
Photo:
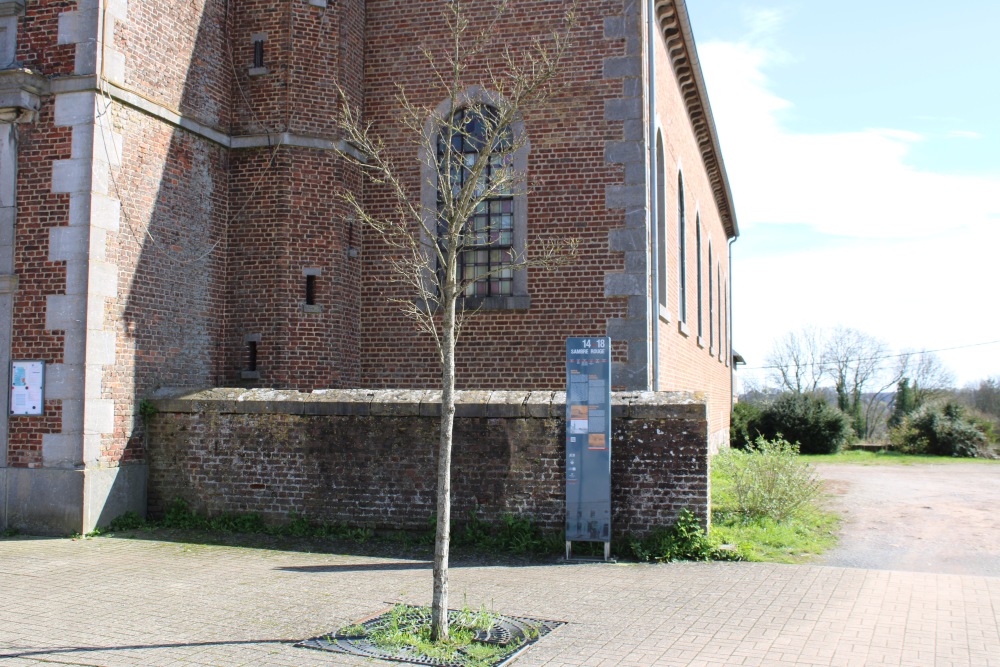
(921, 518)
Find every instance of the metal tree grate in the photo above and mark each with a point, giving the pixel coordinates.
(514, 632)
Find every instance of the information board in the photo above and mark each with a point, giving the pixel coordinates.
(27, 387)
(588, 440)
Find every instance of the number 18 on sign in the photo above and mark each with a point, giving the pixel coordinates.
(588, 442)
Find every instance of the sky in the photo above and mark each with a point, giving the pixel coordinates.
(862, 144)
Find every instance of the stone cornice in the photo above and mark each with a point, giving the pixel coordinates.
(675, 26)
(231, 141)
(20, 91)
(11, 7)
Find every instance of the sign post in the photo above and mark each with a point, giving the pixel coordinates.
(588, 442)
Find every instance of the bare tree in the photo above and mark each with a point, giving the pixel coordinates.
(469, 145)
(928, 376)
(796, 361)
(856, 362)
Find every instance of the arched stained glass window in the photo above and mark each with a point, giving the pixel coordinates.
(486, 246)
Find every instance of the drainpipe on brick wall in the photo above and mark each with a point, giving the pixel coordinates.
(729, 338)
(653, 280)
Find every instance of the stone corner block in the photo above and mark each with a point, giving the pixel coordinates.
(75, 108)
(76, 27)
(624, 284)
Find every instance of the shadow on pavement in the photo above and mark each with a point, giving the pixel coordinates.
(35, 652)
(413, 554)
(359, 567)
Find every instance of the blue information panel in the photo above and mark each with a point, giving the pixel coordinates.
(588, 440)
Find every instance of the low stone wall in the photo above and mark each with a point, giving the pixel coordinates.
(368, 457)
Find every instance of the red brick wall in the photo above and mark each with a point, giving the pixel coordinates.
(684, 364)
(37, 38)
(170, 251)
(567, 175)
(294, 220)
(39, 211)
(177, 54)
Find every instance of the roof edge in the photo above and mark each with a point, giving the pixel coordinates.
(675, 26)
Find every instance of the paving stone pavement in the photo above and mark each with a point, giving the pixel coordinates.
(115, 602)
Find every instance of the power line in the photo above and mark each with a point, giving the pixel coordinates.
(876, 358)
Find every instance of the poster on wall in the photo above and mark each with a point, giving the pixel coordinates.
(588, 441)
(27, 387)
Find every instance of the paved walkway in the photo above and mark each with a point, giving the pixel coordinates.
(113, 602)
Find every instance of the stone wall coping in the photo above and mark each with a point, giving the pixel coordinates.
(490, 404)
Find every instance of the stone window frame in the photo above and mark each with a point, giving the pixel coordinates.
(429, 176)
(682, 300)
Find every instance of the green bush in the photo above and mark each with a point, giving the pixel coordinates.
(769, 480)
(940, 431)
(814, 424)
(685, 540)
(743, 425)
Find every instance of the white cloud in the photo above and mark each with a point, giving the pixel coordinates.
(854, 184)
(920, 270)
(916, 294)
(964, 134)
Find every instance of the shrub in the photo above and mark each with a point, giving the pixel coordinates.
(743, 425)
(940, 431)
(814, 424)
(769, 480)
(685, 540)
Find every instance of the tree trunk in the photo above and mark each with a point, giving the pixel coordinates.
(442, 538)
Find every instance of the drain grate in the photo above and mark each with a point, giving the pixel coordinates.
(515, 633)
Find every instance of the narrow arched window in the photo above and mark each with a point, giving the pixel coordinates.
(682, 251)
(711, 301)
(697, 227)
(722, 312)
(486, 245)
(661, 222)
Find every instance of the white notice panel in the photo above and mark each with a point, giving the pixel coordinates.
(27, 387)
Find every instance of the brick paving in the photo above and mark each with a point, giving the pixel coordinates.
(114, 602)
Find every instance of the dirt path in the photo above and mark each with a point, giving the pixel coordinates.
(919, 518)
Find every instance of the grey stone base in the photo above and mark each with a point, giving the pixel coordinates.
(110, 492)
(47, 501)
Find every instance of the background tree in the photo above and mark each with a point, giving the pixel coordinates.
(470, 145)
(903, 403)
(856, 363)
(796, 361)
(870, 384)
(987, 396)
(929, 379)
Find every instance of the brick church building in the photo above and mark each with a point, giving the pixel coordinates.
(169, 217)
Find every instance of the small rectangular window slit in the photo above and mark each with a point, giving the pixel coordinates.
(252, 356)
(310, 290)
(258, 53)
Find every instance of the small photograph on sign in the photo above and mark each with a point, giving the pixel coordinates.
(577, 388)
(578, 419)
(597, 441)
(598, 392)
(595, 419)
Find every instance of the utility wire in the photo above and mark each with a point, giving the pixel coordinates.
(874, 358)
